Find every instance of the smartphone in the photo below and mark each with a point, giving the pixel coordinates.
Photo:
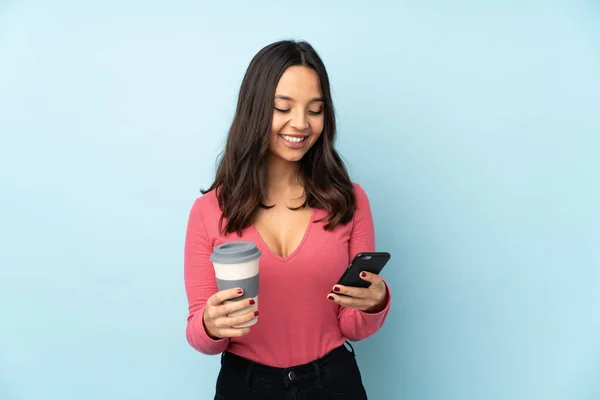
(372, 262)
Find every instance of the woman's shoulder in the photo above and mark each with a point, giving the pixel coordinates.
(363, 206)
(357, 188)
(207, 206)
(359, 192)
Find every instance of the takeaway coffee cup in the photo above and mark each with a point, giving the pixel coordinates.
(236, 265)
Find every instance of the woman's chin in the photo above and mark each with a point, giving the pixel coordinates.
(288, 155)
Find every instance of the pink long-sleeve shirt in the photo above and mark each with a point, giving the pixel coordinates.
(297, 324)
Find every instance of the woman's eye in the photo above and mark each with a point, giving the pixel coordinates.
(311, 112)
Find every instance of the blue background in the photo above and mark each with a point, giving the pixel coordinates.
(473, 126)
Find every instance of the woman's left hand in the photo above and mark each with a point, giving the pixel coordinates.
(371, 299)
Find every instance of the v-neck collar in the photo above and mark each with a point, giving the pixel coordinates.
(297, 250)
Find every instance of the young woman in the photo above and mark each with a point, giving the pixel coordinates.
(281, 184)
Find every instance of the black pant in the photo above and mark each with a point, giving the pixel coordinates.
(334, 376)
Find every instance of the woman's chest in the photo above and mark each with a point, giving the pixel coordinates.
(315, 265)
(283, 230)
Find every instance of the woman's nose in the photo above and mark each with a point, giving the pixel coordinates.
(299, 120)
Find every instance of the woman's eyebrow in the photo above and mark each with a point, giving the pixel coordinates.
(283, 97)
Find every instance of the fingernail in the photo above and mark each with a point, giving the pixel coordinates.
(364, 274)
(240, 291)
(336, 289)
(256, 313)
(330, 298)
(252, 302)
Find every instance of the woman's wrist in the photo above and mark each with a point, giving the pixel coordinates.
(207, 330)
(379, 306)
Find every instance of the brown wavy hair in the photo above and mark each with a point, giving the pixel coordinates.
(241, 176)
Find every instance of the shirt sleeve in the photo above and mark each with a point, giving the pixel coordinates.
(200, 283)
(355, 324)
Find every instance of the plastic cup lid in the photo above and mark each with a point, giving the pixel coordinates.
(235, 252)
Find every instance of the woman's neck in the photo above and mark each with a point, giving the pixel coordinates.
(281, 173)
(283, 180)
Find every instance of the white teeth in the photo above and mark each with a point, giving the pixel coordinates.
(293, 139)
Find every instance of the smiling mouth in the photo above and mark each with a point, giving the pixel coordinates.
(293, 139)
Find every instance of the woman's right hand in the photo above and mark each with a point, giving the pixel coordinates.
(216, 322)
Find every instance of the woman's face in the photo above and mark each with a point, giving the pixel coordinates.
(298, 116)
